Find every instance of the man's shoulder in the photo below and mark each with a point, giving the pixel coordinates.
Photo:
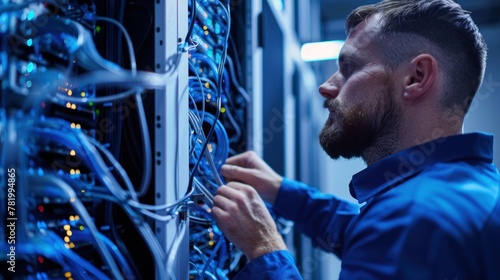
(461, 193)
(460, 182)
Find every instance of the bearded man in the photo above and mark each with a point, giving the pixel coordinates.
(407, 75)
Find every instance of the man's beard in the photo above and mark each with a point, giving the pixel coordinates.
(356, 129)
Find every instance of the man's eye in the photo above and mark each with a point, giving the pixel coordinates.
(346, 69)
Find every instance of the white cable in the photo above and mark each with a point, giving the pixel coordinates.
(204, 190)
(155, 207)
(202, 92)
(118, 167)
(172, 254)
(195, 121)
(158, 218)
(148, 80)
(133, 64)
(146, 145)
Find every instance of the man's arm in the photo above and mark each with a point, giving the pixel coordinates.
(277, 265)
(324, 218)
(244, 219)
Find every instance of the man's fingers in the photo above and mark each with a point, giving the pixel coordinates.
(227, 200)
(233, 190)
(242, 159)
(237, 186)
(234, 172)
(220, 214)
(229, 192)
(223, 202)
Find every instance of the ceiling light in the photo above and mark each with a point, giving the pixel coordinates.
(317, 51)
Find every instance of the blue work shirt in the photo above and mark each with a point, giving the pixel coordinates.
(430, 212)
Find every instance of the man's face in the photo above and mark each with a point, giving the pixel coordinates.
(359, 96)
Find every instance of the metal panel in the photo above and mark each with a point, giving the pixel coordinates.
(171, 132)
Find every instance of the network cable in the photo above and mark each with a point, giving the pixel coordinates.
(40, 184)
(53, 136)
(212, 91)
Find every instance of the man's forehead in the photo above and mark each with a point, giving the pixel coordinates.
(371, 26)
(361, 36)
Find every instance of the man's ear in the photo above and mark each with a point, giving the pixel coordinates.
(421, 77)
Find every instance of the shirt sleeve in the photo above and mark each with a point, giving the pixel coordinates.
(272, 266)
(324, 218)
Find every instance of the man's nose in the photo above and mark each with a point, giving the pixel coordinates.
(329, 89)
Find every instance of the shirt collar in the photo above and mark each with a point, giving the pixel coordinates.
(390, 171)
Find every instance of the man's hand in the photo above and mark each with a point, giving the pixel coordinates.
(244, 219)
(250, 169)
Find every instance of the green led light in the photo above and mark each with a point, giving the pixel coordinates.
(91, 104)
(98, 29)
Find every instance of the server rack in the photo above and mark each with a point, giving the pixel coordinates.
(83, 122)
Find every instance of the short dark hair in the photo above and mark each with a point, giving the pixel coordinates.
(438, 27)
